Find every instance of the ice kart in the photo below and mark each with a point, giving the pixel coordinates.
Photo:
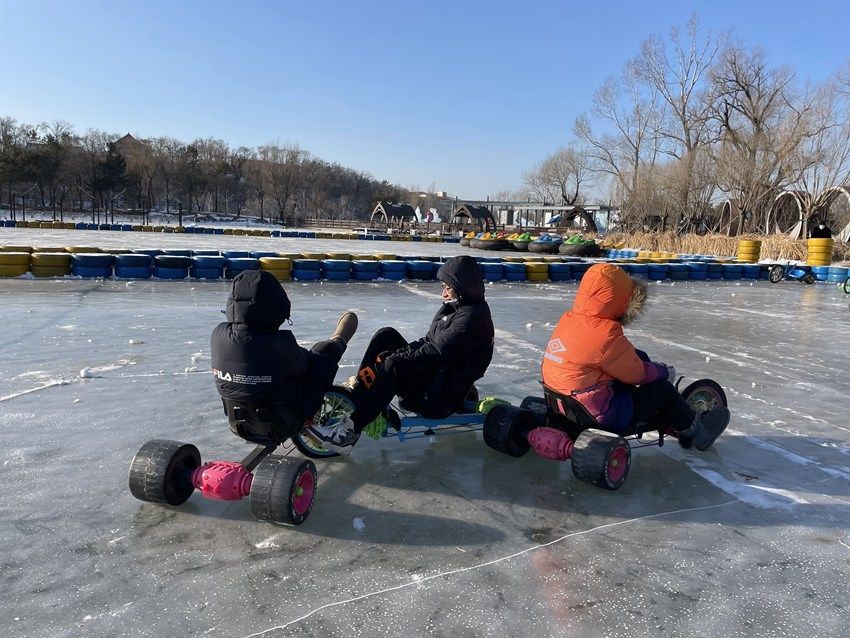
(558, 427)
(791, 271)
(280, 489)
(401, 423)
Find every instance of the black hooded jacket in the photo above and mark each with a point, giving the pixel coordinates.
(459, 343)
(252, 359)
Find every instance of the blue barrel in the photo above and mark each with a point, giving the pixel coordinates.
(92, 264)
(560, 272)
(513, 271)
(365, 265)
(190, 230)
(234, 265)
(127, 228)
(151, 252)
(715, 270)
(307, 264)
(336, 275)
(578, 268)
(657, 272)
(492, 271)
(678, 272)
(205, 253)
(394, 270)
(132, 272)
(78, 225)
(838, 274)
(207, 267)
(697, 270)
(821, 273)
(731, 272)
(306, 275)
(257, 254)
(164, 272)
(750, 271)
(216, 231)
(421, 270)
(177, 252)
(336, 265)
(132, 260)
(236, 254)
(91, 272)
(639, 270)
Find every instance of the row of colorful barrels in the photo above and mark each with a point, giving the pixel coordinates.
(205, 230)
(831, 274)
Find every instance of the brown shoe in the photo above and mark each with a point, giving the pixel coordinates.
(345, 328)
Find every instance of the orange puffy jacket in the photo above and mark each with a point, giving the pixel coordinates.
(588, 350)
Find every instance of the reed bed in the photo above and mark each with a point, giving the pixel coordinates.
(776, 247)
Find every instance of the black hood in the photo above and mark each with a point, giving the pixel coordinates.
(463, 274)
(257, 299)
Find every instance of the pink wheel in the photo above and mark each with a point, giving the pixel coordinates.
(283, 490)
(602, 459)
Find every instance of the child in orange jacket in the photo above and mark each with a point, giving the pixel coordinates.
(590, 359)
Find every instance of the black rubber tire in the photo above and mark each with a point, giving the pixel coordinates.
(161, 471)
(273, 489)
(538, 408)
(593, 453)
(172, 261)
(343, 401)
(464, 241)
(704, 394)
(506, 429)
(776, 274)
(847, 286)
(548, 247)
(809, 279)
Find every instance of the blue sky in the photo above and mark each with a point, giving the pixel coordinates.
(462, 95)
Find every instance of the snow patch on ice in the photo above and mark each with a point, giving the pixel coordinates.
(267, 543)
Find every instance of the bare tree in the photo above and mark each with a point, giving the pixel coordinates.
(676, 69)
(630, 117)
(762, 121)
(559, 178)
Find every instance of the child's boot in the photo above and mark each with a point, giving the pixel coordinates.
(345, 327)
(705, 429)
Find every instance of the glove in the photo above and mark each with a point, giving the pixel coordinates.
(383, 356)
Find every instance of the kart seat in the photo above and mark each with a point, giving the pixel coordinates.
(261, 423)
(572, 417)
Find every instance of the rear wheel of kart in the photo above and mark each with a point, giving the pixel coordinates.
(809, 279)
(602, 459)
(337, 403)
(283, 490)
(161, 471)
(703, 395)
(776, 274)
(506, 429)
(537, 407)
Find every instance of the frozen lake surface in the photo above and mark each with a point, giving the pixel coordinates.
(435, 536)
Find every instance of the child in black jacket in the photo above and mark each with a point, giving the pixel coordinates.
(433, 374)
(254, 361)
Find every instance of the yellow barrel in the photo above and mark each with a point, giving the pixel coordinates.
(82, 249)
(749, 250)
(313, 256)
(275, 263)
(343, 256)
(385, 257)
(820, 251)
(15, 259)
(51, 260)
(50, 271)
(15, 249)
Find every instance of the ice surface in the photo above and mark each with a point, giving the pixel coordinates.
(748, 539)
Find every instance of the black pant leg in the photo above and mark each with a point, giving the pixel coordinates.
(321, 371)
(661, 397)
(372, 401)
(383, 339)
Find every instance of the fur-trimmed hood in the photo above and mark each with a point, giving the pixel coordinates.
(607, 292)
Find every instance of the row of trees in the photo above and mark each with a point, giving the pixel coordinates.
(52, 167)
(696, 118)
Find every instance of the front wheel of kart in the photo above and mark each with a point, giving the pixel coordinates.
(703, 395)
(847, 286)
(776, 274)
(337, 403)
(809, 279)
